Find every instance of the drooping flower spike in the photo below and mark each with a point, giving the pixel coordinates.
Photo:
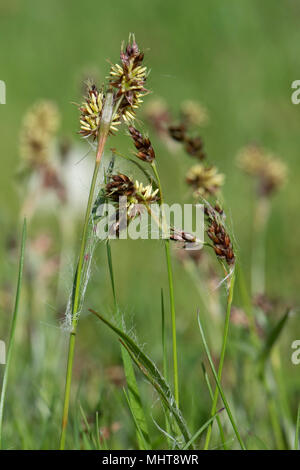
(143, 145)
(218, 234)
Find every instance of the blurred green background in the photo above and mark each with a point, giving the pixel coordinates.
(239, 59)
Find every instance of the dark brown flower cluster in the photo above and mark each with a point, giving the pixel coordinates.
(122, 186)
(137, 197)
(218, 234)
(119, 186)
(193, 145)
(143, 145)
(181, 236)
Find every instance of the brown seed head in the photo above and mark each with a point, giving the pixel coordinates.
(192, 145)
(118, 186)
(204, 180)
(178, 133)
(271, 173)
(143, 145)
(219, 236)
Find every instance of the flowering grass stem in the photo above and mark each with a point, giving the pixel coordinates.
(76, 295)
(171, 291)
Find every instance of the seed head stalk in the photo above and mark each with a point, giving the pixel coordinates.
(222, 357)
(171, 288)
(261, 218)
(103, 134)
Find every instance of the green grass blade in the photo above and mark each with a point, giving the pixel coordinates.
(98, 442)
(165, 356)
(151, 372)
(167, 400)
(247, 304)
(263, 357)
(133, 390)
(135, 401)
(138, 429)
(163, 337)
(212, 397)
(297, 432)
(201, 430)
(273, 337)
(91, 442)
(111, 272)
(230, 416)
(13, 327)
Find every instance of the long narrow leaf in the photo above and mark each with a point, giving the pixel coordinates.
(212, 397)
(230, 416)
(200, 431)
(273, 337)
(138, 429)
(151, 372)
(133, 390)
(13, 327)
(168, 402)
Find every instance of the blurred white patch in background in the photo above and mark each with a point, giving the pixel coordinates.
(2, 352)
(2, 92)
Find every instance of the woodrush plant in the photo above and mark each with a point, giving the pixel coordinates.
(101, 115)
(263, 360)
(119, 186)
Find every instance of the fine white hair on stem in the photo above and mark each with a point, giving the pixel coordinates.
(86, 273)
(224, 279)
(174, 440)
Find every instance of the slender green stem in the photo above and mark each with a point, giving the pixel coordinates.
(247, 305)
(212, 397)
(260, 224)
(163, 337)
(173, 318)
(76, 297)
(261, 219)
(296, 445)
(222, 357)
(171, 288)
(218, 383)
(272, 408)
(13, 328)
